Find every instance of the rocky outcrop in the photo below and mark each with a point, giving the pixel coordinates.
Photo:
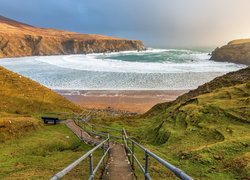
(18, 39)
(237, 51)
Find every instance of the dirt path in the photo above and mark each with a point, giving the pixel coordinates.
(81, 134)
(118, 167)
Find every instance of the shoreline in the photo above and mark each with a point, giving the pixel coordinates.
(133, 101)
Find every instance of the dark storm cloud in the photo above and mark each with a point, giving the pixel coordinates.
(156, 22)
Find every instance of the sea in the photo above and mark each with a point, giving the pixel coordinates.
(152, 69)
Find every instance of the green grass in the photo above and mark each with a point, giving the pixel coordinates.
(205, 132)
(30, 150)
(207, 136)
(42, 153)
(20, 95)
(14, 126)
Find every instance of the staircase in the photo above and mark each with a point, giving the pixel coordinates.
(121, 157)
(118, 165)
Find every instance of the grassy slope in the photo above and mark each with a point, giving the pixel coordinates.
(28, 148)
(240, 41)
(205, 132)
(23, 101)
(209, 135)
(21, 95)
(42, 153)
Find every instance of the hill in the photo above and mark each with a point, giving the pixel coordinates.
(19, 39)
(23, 101)
(230, 79)
(205, 132)
(27, 147)
(237, 51)
(21, 95)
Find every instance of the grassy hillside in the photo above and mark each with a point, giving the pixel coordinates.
(29, 149)
(14, 126)
(205, 132)
(22, 101)
(230, 79)
(20, 95)
(42, 153)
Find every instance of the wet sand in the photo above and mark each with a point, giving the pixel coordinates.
(127, 100)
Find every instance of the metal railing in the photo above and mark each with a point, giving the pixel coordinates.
(105, 127)
(89, 154)
(90, 129)
(129, 150)
(145, 169)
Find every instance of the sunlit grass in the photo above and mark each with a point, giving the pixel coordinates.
(208, 136)
(42, 153)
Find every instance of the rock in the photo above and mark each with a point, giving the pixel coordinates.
(18, 39)
(218, 157)
(237, 51)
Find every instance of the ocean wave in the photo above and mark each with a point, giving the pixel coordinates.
(198, 63)
(147, 51)
(153, 69)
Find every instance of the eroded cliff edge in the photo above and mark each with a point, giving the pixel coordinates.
(18, 39)
(237, 51)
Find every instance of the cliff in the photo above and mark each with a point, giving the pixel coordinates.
(237, 51)
(19, 39)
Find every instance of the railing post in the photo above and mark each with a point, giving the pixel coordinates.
(133, 152)
(146, 165)
(125, 144)
(91, 166)
(103, 152)
(108, 145)
(81, 134)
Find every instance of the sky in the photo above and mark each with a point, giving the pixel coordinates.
(158, 23)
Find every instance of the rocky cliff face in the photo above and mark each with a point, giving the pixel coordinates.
(18, 39)
(237, 51)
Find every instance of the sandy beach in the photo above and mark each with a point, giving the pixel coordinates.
(132, 101)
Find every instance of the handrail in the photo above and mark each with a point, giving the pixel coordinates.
(111, 128)
(86, 155)
(94, 132)
(178, 172)
(101, 134)
(145, 169)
